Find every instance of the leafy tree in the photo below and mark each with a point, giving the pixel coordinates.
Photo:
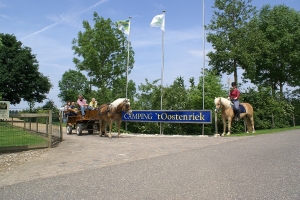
(19, 75)
(268, 109)
(275, 49)
(226, 34)
(175, 95)
(49, 105)
(102, 52)
(149, 96)
(212, 88)
(71, 85)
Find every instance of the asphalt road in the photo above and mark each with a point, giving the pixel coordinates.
(256, 167)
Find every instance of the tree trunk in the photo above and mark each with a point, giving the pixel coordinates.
(235, 72)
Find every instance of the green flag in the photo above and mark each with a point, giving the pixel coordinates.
(124, 25)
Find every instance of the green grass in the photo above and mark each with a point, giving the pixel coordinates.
(265, 131)
(12, 136)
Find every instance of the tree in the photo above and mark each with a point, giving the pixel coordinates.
(49, 105)
(226, 34)
(174, 97)
(71, 85)
(275, 50)
(19, 75)
(149, 96)
(102, 52)
(268, 108)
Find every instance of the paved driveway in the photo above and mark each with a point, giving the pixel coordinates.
(93, 167)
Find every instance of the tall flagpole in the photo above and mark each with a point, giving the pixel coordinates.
(128, 45)
(203, 22)
(162, 73)
(128, 41)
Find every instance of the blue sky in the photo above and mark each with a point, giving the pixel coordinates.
(48, 27)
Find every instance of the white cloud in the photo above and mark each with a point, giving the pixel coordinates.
(69, 18)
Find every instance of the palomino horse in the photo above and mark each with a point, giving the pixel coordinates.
(112, 112)
(246, 112)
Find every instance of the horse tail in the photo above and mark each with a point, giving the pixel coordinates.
(250, 117)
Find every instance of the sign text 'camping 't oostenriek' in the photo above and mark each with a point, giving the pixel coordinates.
(169, 116)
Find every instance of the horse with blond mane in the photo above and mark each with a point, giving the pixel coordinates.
(246, 112)
(109, 113)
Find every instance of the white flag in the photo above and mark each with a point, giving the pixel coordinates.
(159, 21)
(124, 25)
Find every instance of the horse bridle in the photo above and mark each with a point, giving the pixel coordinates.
(126, 105)
(220, 107)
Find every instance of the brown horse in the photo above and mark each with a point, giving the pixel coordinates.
(227, 113)
(109, 113)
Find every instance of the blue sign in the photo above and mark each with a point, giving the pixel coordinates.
(169, 116)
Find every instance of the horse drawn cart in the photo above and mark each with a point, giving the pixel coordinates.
(89, 123)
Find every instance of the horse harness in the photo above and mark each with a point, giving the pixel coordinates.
(108, 110)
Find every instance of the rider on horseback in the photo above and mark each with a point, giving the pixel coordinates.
(234, 97)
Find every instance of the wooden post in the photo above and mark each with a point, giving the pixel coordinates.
(60, 126)
(50, 129)
(216, 123)
(294, 119)
(30, 123)
(37, 124)
(24, 123)
(272, 120)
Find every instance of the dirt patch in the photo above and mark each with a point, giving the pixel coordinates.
(11, 160)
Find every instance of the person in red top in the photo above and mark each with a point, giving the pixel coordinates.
(83, 105)
(234, 97)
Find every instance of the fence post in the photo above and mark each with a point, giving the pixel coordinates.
(272, 120)
(60, 126)
(50, 129)
(30, 123)
(37, 124)
(216, 123)
(294, 120)
(24, 123)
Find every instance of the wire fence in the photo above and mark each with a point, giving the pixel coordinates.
(30, 130)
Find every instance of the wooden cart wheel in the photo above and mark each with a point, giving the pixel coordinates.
(69, 129)
(79, 129)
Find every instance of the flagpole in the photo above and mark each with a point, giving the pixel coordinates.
(203, 7)
(128, 41)
(128, 45)
(162, 74)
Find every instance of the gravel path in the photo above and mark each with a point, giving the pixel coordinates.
(78, 153)
(157, 167)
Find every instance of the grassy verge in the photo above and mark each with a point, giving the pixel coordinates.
(265, 131)
(12, 136)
